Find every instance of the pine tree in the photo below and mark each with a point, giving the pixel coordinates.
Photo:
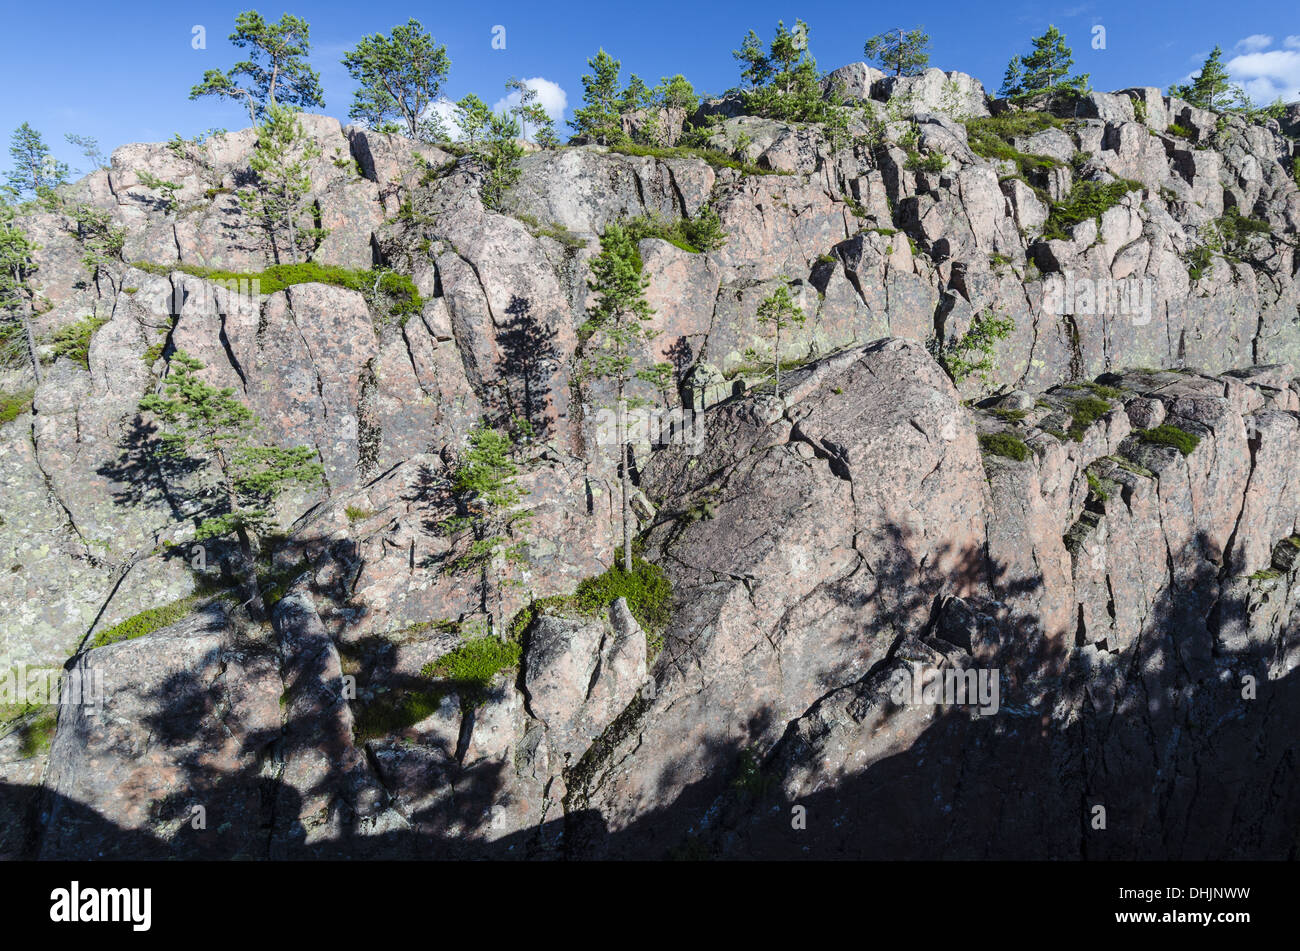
(784, 80)
(213, 431)
(545, 136)
(89, 146)
(1210, 88)
(35, 173)
(431, 128)
(472, 116)
(599, 119)
(903, 54)
(757, 68)
(489, 496)
(1045, 70)
(399, 75)
(617, 319)
(528, 111)
(788, 52)
(101, 242)
(676, 93)
(636, 96)
(281, 158)
(276, 72)
(778, 311)
(637, 99)
(500, 153)
(16, 266)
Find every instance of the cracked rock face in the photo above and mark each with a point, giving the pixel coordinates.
(1114, 530)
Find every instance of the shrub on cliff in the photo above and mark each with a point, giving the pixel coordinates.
(1044, 70)
(206, 427)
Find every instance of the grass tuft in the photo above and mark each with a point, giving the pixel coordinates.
(146, 622)
(1170, 435)
(1005, 445)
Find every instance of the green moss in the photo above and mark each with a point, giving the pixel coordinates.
(714, 157)
(1180, 131)
(647, 590)
(1006, 445)
(396, 710)
(933, 163)
(13, 405)
(402, 297)
(470, 668)
(146, 622)
(1168, 434)
(1084, 411)
(554, 231)
(36, 734)
(356, 514)
(274, 583)
(1010, 415)
(991, 137)
(73, 341)
(754, 367)
(1128, 465)
(468, 671)
(750, 780)
(1237, 229)
(422, 628)
(1100, 488)
(1098, 389)
(693, 235)
(1086, 200)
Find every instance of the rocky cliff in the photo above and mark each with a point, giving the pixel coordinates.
(1104, 516)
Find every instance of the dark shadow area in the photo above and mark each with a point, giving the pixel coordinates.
(1157, 733)
(529, 361)
(1160, 737)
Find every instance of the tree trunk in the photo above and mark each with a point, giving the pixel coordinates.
(27, 328)
(248, 567)
(248, 576)
(500, 617)
(776, 357)
(625, 454)
(31, 348)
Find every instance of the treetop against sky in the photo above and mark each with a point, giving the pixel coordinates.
(88, 69)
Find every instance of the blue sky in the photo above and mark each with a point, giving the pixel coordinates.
(121, 72)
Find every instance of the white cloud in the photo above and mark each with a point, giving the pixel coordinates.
(1266, 75)
(549, 95)
(1254, 43)
(1292, 42)
(446, 110)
